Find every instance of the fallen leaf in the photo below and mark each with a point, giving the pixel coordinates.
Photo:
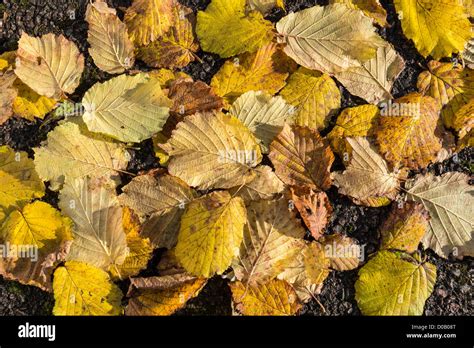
(77, 153)
(162, 295)
(110, 47)
(29, 104)
(7, 95)
(81, 289)
(452, 87)
(226, 29)
(265, 6)
(140, 250)
(50, 65)
(264, 187)
(176, 48)
(358, 121)
(210, 234)
(315, 96)
(263, 114)
(329, 38)
(437, 28)
(371, 8)
(163, 198)
(404, 227)
(314, 208)
(343, 253)
(367, 178)
(464, 119)
(449, 200)
(265, 70)
(209, 150)
(148, 20)
(392, 284)
(275, 298)
(301, 157)
(316, 263)
(406, 131)
(127, 108)
(374, 79)
(99, 238)
(271, 240)
(190, 97)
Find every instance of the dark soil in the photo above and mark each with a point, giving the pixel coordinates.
(36, 17)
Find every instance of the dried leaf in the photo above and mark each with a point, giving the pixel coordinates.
(212, 151)
(367, 177)
(99, 238)
(329, 38)
(449, 200)
(315, 96)
(302, 157)
(76, 154)
(50, 65)
(7, 95)
(374, 79)
(271, 240)
(343, 253)
(162, 295)
(371, 8)
(406, 131)
(226, 29)
(314, 208)
(110, 46)
(210, 234)
(127, 108)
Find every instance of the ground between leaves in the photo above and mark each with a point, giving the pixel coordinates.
(38, 17)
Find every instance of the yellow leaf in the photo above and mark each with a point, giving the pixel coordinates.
(367, 176)
(18, 179)
(438, 28)
(77, 153)
(371, 8)
(469, 5)
(265, 70)
(271, 241)
(29, 104)
(315, 96)
(50, 65)
(211, 233)
(464, 119)
(404, 227)
(212, 151)
(81, 289)
(263, 114)
(406, 131)
(274, 298)
(265, 6)
(177, 47)
(148, 20)
(226, 29)
(316, 263)
(452, 86)
(358, 121)
(162, 295)
(139, 252)
(37, 225)
(127, 108)
(329, 38)
(110, 46)
(166, 77)
(392, 284)
(301, 157)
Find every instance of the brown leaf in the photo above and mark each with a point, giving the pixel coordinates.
(302, 157)
(7, 95)
(314, 208)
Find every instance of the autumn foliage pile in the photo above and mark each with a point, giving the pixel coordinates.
(241, 191)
